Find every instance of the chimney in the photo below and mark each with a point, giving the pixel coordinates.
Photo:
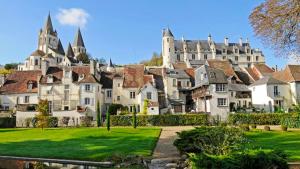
(92, 67)
(44, 67)
(226, 42)
(241, 41)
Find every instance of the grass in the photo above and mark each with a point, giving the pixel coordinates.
(269, 140)
(94, 144)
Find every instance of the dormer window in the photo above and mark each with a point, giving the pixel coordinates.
(67, 73)
(212, 75)
(81, 77)
(30, 85)
(50, 79)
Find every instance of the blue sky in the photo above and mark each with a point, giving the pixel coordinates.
(127, 31)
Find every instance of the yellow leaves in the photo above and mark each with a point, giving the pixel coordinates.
(5, 71)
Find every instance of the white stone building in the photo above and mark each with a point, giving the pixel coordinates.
(194, 53)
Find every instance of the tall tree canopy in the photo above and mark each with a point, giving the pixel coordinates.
(277, 23)
(156, 60)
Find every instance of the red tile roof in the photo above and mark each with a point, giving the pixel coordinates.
(223, 65)
(253, 75)
(179, 65)
(17, 82)
(291, 73)
(190, 72)
(133, 76)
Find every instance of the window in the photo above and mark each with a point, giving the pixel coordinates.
(66, 95)
(174, 83)
(222, 102)
(224, 57)
(248, 50)
(236, 58)
(224, 50)
(205, 56)
(49, 91)
(178, 57)
(67, 74)
(167, 39)
(220, 87)
(179, 83)
(87, 87)
(132, 95)
(248, 58)
(118, 98)
(188, 84)
(131, 108)
(66, 108)
(232, 94)
(235, 50)
(67, 87)
(119, 84)
(276, 92)
(87, 101)
(149, 95)
(193, 56)
(108, 93)
(36, 62)
(212, 74)
(256, 58)
(26, 99)
(169, 49)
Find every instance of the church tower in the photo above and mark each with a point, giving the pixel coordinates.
(48, 37)
(168, 48)
(78, 45)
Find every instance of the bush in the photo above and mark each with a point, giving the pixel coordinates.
(267, 128)
(284, 128)
(292, 121)
(86, 121)
(256, 159)
(52, 122)
(258, 118)
(161, 120)
(65, 120)
(34, 121)
(245, 127)
(210, 140)
(7, 122)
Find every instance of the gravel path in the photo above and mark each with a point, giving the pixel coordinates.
(164, 147)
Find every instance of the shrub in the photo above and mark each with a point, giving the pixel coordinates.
(210, 140)
(267, 128)
(161, 120)
(284, 128)
(65, 120)
(34, 121)
(256, 159)
(292, 121)
(253, 126)
(28, 122)
(85, 121)
(52, 122)
(245, 127)
(7, 122)
(258, 118)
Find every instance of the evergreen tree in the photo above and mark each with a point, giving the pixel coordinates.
(134, 121)
(108, 119)
(99, 116)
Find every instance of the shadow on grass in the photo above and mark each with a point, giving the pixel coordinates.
(91, 148)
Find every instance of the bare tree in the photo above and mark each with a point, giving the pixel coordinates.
(277, 23)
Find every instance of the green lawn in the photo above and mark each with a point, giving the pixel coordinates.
(78, 143)
(270, 140)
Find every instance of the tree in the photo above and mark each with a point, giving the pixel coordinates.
(145, 107)
(84, 58)
(156, 60)
(134, 122)
(99, 115)
(277, 23)
(108, 119)
(43, 115)
(101, 60)
(5, 71)
(10, 66)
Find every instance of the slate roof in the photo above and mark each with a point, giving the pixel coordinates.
(78, 41)
(177, 73)
(268, 80)
(223, 65)
(291, 73)
(179, 65)
(157, 75)
(167, 32)
(244, 77)
(215, 75)
(238, 87)
(48, 26)
(37, 53)
(197, 63)
(60, 48)
(17, 82)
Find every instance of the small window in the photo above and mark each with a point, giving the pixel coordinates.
(212, 75)
(87, 87)
(248, 50)
(132, 95)
(256, 58)
(224, 57)
(119, 84)
(169, 49)
(220, 87)
(36, 62)
(108, 93)
(174, 83)
(236, 58)
(118, 98)
(205, 56)
(224, 50)
(222, 102)
(178, 57)
(67, 87)
(66, 108)
(26, 99)
(235, 50)
(131, 108)
(149, 95)
(248, 58)
(87, 101)
(167, 39)
(193, 56)
(188, 84)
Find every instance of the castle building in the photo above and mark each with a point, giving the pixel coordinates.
(194, 53)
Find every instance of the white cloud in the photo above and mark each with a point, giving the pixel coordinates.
(73, 17)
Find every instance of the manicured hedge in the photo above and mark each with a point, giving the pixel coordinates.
(258, 118)
(7, 122)
(161, 120)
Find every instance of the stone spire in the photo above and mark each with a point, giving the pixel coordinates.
(48, 25)
(60, 48)
(110, 63)
(78, 41)
(167, 32)
(70, 53)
